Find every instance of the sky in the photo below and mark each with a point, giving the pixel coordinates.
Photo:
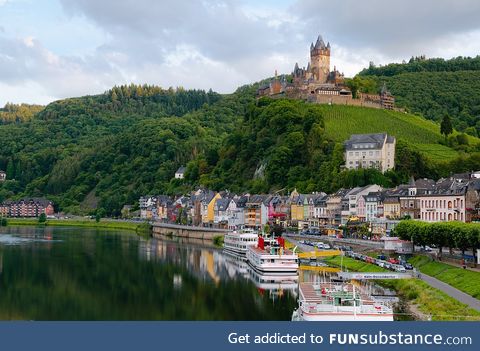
(54, 49)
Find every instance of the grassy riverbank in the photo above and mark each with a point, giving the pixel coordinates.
(104, 224)
(429, 301)
(465, 280)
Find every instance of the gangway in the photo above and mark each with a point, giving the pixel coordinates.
(323, 253)
(319, 268)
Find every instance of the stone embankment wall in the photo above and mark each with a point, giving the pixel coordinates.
(183, 231)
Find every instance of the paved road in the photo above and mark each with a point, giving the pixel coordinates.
(451, 291)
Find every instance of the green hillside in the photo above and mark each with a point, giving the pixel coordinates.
(97, 153)
(342, 121)
(434, 88)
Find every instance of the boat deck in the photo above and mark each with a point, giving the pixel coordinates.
(323, 292)
(259, 251)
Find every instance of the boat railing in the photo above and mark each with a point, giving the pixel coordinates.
(328, 306)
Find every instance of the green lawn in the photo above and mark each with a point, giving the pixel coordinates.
(80, 223)
(342, 121)
(463, 279)
(354, 265)
(430, 301)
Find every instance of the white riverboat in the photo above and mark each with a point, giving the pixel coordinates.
(237, 242)
(331, 301)
(272, 257)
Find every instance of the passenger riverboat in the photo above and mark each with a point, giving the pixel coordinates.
(333, 301)
(271, 256)
(237, 242)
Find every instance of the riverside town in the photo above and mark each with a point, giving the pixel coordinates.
(316, 194)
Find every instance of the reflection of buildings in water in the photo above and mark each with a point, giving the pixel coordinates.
(177, 281)
(275, 285)
(206, 263)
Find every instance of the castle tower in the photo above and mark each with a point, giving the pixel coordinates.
(320, 60)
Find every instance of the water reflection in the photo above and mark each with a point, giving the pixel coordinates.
(80, 274)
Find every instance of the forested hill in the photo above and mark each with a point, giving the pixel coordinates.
(435, 88)
(107, 150)
(97, 153)
(12, 113)
(421, 64)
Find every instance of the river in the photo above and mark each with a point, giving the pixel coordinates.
(67, 273)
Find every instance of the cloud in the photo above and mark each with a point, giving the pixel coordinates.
(221, 44)
(26, 63)
(394, 28)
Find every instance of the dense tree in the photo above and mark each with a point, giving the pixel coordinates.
(458, 235)
(446, 126)
(12, 113)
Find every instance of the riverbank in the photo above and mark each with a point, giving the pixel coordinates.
(430, 302)
(464, 280)
(140, 227)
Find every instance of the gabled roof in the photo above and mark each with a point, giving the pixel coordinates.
(257, 199)
(222, 204)
(241, 201)
(181, 170)
(377, 139)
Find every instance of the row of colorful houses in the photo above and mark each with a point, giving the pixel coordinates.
(451, 199)
(27, 207)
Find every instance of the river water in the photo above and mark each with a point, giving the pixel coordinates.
(64, 273)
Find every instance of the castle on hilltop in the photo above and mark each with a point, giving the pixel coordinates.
(316, 83)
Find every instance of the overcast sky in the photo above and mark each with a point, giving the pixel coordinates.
(52, 49)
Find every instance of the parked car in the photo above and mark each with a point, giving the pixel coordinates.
(399, 268)
(382, 257)
(393, 260)
(381, 264)
(327, 246)
(408, 266)
(387, 265)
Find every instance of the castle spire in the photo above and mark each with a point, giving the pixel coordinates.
(320, 44)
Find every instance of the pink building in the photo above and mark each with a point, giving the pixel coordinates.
(439, 208)
(361, 208)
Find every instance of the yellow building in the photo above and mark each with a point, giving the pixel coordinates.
(297, 206)
(210, 215)
(391, 207)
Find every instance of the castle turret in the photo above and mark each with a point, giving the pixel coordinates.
(320, 60)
